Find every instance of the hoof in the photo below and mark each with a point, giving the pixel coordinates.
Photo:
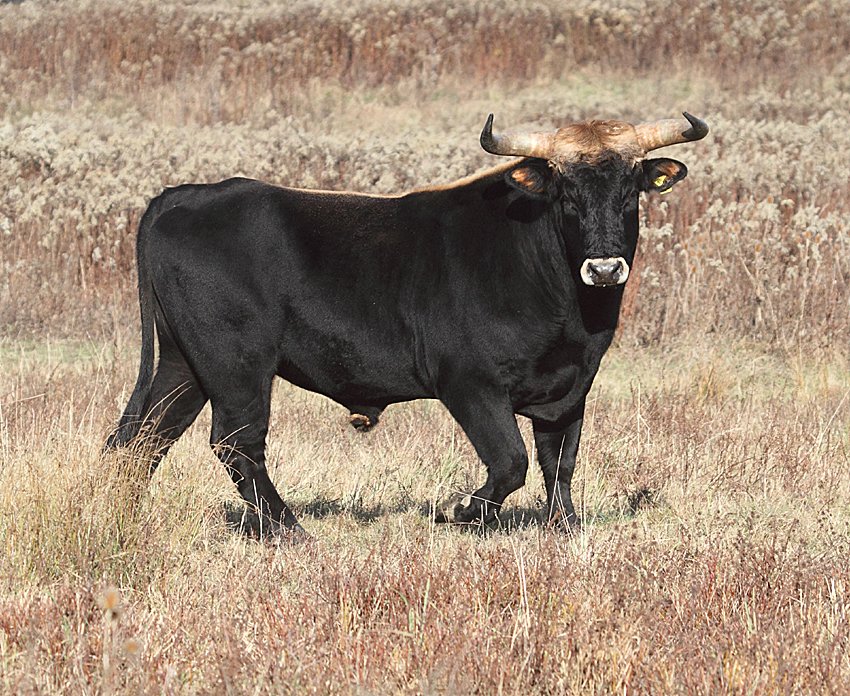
(292, 536)
(244, 520)
(444, 512)
(462, 509)
(562, 521)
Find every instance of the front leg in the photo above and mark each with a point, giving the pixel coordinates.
(486, 415)
(557, 447)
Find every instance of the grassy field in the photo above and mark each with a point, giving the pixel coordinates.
(714, 474)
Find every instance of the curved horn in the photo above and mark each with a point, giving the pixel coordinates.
(518, 144)
(671, 131)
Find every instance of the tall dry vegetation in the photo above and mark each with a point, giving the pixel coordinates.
(714, 470)
(104, 104)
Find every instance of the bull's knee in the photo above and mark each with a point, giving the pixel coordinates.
(514, 477)
(509, 476)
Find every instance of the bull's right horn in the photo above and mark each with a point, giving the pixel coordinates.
(517, 144)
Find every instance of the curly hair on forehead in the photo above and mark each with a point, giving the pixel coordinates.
(593, 141)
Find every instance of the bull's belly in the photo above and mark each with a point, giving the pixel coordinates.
(347, 353)
(358, 382)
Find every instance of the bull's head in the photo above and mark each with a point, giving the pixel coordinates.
(595, 171)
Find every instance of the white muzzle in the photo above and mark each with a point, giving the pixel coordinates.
(605, 271)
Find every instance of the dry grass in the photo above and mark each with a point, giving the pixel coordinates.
(714, 475)
(713, 556)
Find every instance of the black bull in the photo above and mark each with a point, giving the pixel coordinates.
(497, 295)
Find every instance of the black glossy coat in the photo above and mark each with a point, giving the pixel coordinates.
(468, 293)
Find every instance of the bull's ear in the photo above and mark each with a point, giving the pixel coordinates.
(661, 174)
(533, 177)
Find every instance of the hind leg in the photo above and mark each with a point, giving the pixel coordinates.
(175, 401)
(240, 423)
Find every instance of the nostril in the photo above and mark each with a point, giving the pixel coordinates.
(605, 269)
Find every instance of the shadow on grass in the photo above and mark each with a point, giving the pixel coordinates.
(364, 514)
(243, 519)
(625, 508)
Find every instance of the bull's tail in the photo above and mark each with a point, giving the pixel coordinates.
(139, 403)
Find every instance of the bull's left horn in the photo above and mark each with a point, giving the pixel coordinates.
(671, 131)
(518, 144)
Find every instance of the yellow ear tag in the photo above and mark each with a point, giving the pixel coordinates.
(660, 181)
